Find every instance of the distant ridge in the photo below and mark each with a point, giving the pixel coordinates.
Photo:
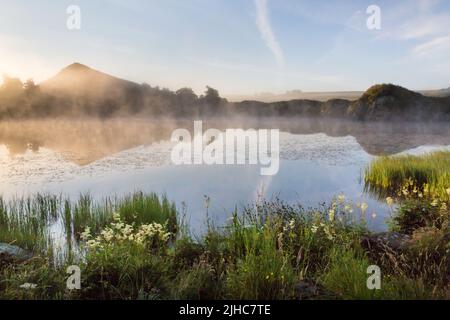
(320, 95)
(78, 91)
(382, 102)
(437, 93)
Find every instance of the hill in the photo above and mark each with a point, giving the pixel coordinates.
(90, 92)
(78, 80)
(384, 102)
(320, 95)
(391, 102)
(93, 92)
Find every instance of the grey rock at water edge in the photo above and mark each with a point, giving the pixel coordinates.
(309, 290)
(15, 252)
(392, 240)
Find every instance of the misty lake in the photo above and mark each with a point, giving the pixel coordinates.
(318, 161)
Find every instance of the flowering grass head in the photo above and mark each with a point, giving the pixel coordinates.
(119, 232)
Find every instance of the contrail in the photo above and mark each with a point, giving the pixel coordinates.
(263, 23)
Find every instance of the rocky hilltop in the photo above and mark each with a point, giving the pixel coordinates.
(391, 102)
(384, 102)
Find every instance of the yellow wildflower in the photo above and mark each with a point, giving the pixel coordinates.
(364, 206)
(389, 201)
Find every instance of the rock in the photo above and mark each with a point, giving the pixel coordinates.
(308, 290)
(8, 252)
(386, 240)
(388, 102)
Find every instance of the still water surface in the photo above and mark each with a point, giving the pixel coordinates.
(315, 167)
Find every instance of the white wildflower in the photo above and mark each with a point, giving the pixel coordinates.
(28, 286)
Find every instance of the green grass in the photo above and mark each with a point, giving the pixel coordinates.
(429, 173)
(141, 208)
(27, 222)
(261, 270)
(346, 277)
(264, 252)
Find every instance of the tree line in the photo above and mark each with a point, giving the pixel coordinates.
(21, 100)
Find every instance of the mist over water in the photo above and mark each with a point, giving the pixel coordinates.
(320, 159)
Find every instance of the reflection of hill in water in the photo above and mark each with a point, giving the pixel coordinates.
(84, 141)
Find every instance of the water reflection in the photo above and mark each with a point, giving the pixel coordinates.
(83, 141)
(319, 159)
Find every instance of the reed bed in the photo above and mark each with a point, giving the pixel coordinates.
(38, 222)
(428, 174)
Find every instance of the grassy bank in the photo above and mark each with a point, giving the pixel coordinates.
(136, 248)
(420, 185)
(43, 222)
(427, 175)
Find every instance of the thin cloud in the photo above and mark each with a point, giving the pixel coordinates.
(436, 46)
(265, 28)
(419, 21)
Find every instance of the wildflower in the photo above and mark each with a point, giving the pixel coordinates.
(374, 215)
(435, 203)
(86, 234)
(314, 229)
(280, 237)
(328, 233)
(107, 234)
(292, 224)
(341, 198)
(348, 208)
(116, 216)
(28, 286)
(93, 244)
(118, 225)
(389, 201)
(127, 229)
(364, 206)
(331, 214)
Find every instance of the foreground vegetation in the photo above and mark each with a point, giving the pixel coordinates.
(419, 184)
(426, 175)
(137, 248)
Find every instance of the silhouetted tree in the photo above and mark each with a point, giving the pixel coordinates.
(11, 87)
(30, 87)
(212, 96)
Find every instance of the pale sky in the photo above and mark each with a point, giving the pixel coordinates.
(236, 46)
